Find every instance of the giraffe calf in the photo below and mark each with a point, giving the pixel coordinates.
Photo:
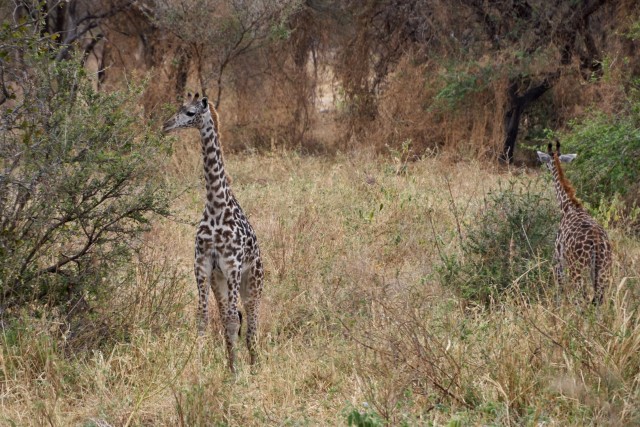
(581, 243)
(227, 256)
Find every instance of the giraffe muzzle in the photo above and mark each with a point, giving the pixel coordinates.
(168, 126)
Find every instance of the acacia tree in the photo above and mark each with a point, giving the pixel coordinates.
(76, 25)
(214, 33)
(79, 177)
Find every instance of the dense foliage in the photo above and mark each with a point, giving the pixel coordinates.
(507, 247)
(78, 174)
(608, 149)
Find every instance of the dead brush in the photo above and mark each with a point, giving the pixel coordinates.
(410, 111)
(155, 300)
(523, 363)
(402, 362)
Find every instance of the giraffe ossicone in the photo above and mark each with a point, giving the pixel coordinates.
(581, 243)
(227, 256)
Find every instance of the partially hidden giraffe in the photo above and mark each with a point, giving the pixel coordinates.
(581, 243)
(227, 256)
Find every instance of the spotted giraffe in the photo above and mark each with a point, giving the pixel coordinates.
(227, 256)
(581, 243)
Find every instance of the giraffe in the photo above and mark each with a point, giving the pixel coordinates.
(581, 243)
(227, 256)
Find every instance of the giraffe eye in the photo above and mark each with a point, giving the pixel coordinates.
(190, 113)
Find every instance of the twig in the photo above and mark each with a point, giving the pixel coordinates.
(452, 202)
(433, 229)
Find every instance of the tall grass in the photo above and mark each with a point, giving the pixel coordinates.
(355, 326)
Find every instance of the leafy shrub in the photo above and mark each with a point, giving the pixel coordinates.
(608, 151)
(507, 244)
(78, 175)
(367, 418)
(462, 83)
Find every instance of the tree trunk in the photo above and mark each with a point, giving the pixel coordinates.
(182, 73)
(517, 105)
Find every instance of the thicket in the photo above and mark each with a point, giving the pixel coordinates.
(608, 148)
(507, 248)
(488, 64)
(79, 176)
(475, 79)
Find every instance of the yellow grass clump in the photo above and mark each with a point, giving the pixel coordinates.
(356, 324)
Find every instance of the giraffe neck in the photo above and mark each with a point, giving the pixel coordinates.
(218, 194)
(564, 190)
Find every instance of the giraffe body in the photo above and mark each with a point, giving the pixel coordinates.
(581, 243)
(227, 256)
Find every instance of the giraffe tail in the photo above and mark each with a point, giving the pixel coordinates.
(240, 327)
(596, 273)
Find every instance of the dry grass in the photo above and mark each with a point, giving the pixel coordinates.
(353, 313)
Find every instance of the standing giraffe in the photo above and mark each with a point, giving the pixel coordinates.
(581, 243)
(227, 256)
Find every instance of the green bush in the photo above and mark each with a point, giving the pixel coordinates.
(508, 244)
(366, 418)
(461, 83)
(608, 159)
(79, 176)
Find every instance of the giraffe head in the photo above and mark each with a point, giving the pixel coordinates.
(190, 115)
(547, 158)
(564, 190)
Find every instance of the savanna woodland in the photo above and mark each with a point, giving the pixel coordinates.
(384, 152)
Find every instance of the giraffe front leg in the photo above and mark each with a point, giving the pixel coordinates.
(226, 287)
(202, 268)
(598, 295)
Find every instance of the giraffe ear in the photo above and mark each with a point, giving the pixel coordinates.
(566, 158)
(205, 102)
(544, 157)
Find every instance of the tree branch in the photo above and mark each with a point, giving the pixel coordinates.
(93, 22)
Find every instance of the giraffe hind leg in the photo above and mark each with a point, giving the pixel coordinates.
(595, 279)
(252, 330)
(558, 274)
(251, 291)
(558, 270)
(203, 306)
(600, 272)
(578, 283)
